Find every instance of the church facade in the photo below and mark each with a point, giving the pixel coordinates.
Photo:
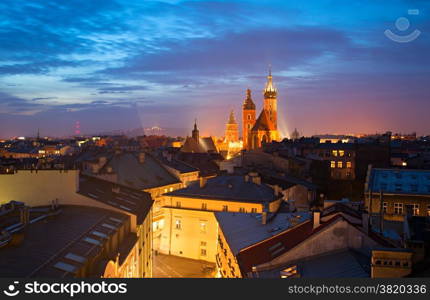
(264, 129)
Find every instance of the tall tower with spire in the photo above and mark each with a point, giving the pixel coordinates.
(270, 100)
(231, 129)
(195, 133)
(248, 119)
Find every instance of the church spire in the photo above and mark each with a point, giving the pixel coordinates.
(195, 133)
(248, 104)
(231, 119)
(270, 90)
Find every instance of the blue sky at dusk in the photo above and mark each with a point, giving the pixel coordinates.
(126, 64)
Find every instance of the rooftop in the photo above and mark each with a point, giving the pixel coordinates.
(48, 241)
(345, 263)
(399, 181)
(129, 200)
(242, 230)
(230, 188)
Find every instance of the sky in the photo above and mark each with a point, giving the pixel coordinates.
(128, 64)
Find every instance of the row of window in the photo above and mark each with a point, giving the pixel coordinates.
(203, 225)
(399, 175)
(398, 208)
(224, 207)
(340, 164)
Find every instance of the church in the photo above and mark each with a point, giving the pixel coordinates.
(264, 129)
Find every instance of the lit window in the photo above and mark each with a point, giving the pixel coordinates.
(178, 224)
(340, 164)
(165, 190)
(204, 206)
(416, 209)
(398, 208)
(348, 165)
(203, 226)
(178, 203)
(334, 152)
(224, 208)
(341, 153)
(384, 207)
(333, 164)
(428, 210)
(171, 189)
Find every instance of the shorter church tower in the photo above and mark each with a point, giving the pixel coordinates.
(232, 129)
(248, 119)
(195, 133)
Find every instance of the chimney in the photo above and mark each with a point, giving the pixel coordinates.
(264, 217)
(141, 157)
(24, 215)
(316, 218)
(365, 222)
(203, 181)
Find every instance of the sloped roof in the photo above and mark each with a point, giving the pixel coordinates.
(126, 199)
(263, 123)
(149, 174)
(191, 146)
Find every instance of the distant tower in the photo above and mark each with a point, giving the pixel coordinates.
(195, 133)
(248, 119)
(77, 128)
(231, 129)
(295, 135)
(270, 100)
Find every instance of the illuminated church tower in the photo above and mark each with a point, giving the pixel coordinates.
(270, 102)
(265, 128)
(232, 129)
(248, 119)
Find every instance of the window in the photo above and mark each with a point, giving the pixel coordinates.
(415, 209)
(203, 252)
(249, 117)
(254, 210)
(334, 152)
(341, 153)
(204, 206)
(383, 186)
(178, 203)
(414, 187)
(428, 210)
(242, 210)
(398, 208)
(171, 189)
(348, 165)
(203, 243)
(178, 224)
(384, 207)
(333, 164)
(340, 164)
(203, 226)
(224, 208)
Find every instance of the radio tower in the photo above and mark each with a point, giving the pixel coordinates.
(77, 128)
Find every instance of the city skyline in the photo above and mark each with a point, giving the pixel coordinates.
(121, 65)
